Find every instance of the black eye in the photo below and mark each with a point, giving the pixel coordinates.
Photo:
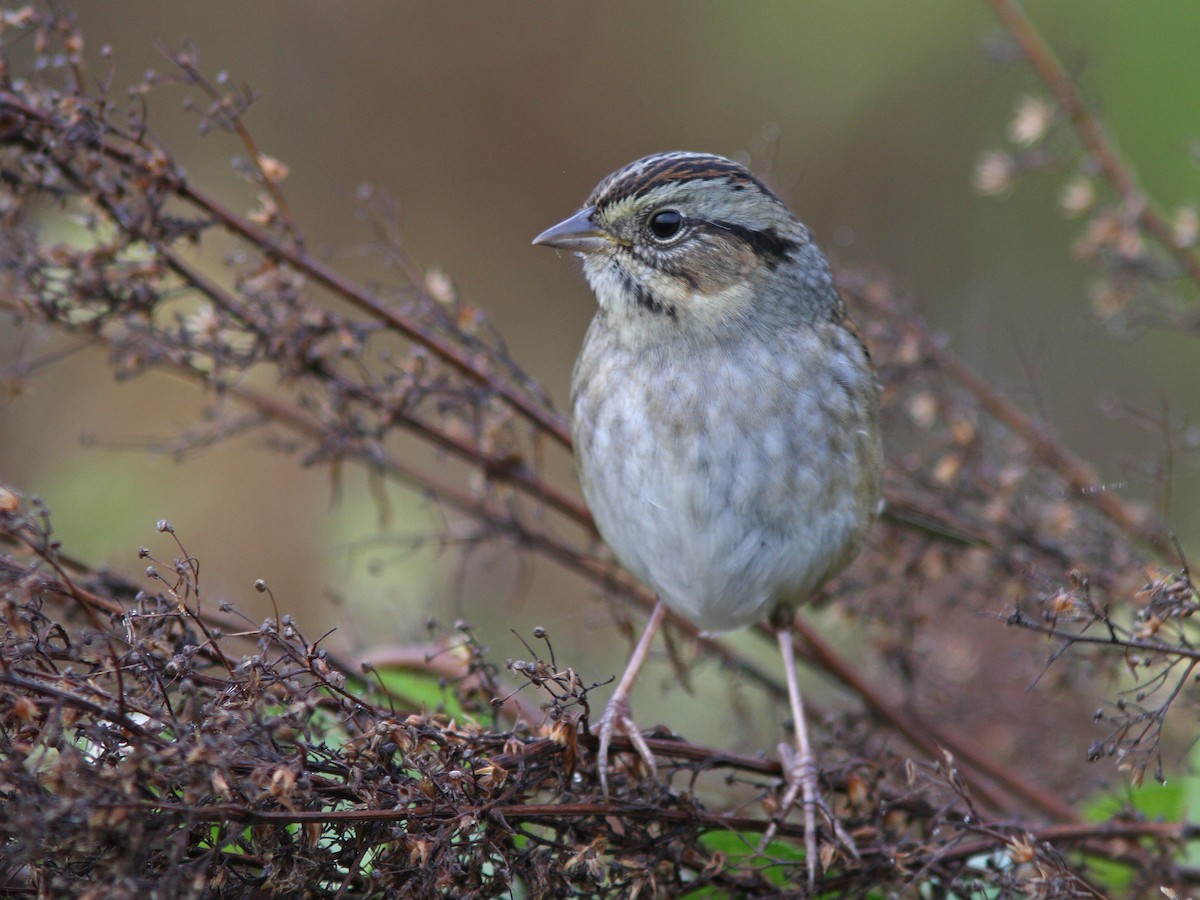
(665, 224)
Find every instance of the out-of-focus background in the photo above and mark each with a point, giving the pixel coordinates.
(490, 122)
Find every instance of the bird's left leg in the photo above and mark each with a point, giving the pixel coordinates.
(800, 769)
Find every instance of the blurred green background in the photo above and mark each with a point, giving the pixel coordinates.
(492, 121)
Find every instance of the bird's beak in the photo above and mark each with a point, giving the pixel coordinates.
(579, 233)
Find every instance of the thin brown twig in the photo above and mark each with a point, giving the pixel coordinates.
(1078, 474)
(1070, 833)
(1092, 134)
(496, 469)
(1143, 528)
(1175, 650)
(326, 276)
(358, 296)
(187, 64)
(1076, 832)
(932, 738)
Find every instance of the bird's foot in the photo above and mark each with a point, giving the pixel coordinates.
(800, 770)
(617, 717)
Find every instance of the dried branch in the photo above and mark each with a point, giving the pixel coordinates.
(1093, 136)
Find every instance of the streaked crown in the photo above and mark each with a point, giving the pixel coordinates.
(642, 176)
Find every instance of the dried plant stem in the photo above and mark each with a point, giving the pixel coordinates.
(999, 785)
(1046, 448)
(324, 275)
(1092, 134)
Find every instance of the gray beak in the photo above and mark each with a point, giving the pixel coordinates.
(578, 233)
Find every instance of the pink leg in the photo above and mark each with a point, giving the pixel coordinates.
(617, 712)
(800, 768)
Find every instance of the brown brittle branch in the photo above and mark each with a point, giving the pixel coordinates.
(1092, 134)
(993, 781)
(1115, 839)
(229, 110)
(155, 166)
(1037, 436)
(1157, 648)
(1078, 474)
(1023, 620)
(347, 290)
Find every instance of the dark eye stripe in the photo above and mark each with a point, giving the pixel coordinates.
(768, 244)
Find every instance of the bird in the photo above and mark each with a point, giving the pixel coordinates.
(725, 416)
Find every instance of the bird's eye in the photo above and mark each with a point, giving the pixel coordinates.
(665, 224)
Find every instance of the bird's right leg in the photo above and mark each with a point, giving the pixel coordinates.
(617, 712)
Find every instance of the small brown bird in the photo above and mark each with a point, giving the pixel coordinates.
(725, 412)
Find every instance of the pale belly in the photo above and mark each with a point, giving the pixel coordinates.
(734, 488)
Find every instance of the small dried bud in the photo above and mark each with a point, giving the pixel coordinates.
(922, 408)
(856, 789)
(1109, 300)
(439, 286)
(946, 469)
(1077, 197)
(204, 323)
(220, 786)
(490, 777)
(963, 432)
(283, 781)
(23, 711)
(1030, 122)
(1022, 850)
(273, 170)
(1130, 243)
(994, 173)
(1186, 226)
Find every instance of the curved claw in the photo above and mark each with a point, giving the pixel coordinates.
(617, 714)
(801, 774)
